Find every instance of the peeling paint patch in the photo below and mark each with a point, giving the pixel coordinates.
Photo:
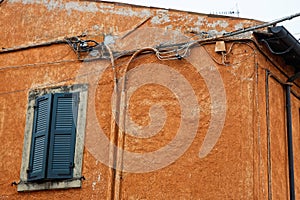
(201, 21)
(53, 4)
(239, 26)
(213, 32)
(106, 6)
(94, 185)
(85, 7)
(96, 27)
(194, 30)
(220, 23)
(95, 182)
(161, 17)
(125, 12)
(145, 13)
(75, 6)
(110, 39)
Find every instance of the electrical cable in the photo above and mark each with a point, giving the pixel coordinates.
(30, 46)
(185, 46)
(278, 53)
(37, 64)
(122, 119)
(113, 133)
(212, 38)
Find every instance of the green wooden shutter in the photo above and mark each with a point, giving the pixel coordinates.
(40, 137)
(63, 135)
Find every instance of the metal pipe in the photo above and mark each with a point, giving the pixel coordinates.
(290, 141)
(289, 127)
(288, 86)
(252, 28)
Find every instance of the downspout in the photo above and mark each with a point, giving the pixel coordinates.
(290, 141)
(290, 134)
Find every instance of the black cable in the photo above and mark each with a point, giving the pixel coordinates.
(270, 59)
(36, 64)
(278, 53)
(60, 81)
(19, 48)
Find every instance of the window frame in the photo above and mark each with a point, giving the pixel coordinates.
(75, 182)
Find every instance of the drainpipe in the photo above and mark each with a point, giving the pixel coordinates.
(290, 135)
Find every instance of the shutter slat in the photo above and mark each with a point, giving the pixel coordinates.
(38, 154)
(61, 152)
(63, 134)
(41, 124)
(64, 117)
(40, 136)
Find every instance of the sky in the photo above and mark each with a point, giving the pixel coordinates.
(263, 10)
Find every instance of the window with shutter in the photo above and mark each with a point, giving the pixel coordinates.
(53, 137)
(54, 122)
(40, 135)
(63, 130)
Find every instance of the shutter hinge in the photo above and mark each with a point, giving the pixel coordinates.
(72, 165)
(28, 170)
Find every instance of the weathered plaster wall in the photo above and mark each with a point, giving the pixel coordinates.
(236, 168)
(227, 172)
(47, 20)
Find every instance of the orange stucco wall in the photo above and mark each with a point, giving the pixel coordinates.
(237, 165)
